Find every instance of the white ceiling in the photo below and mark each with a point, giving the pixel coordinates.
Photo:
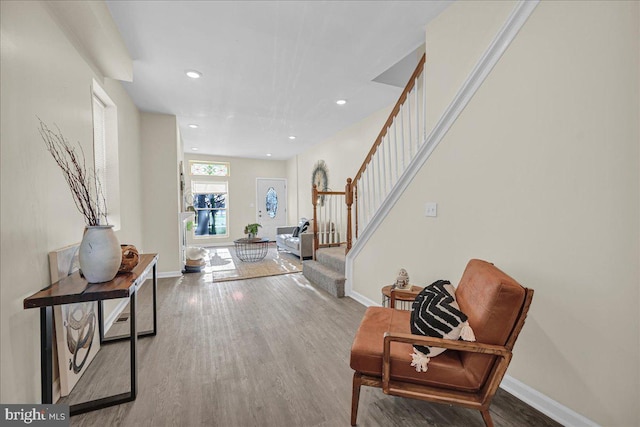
(270, 69)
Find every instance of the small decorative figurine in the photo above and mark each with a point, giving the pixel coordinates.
(402, 281)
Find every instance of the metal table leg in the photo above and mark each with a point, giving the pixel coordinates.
(149, 333)
(46, 354)
(117, 399)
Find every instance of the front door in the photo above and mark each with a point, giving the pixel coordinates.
(271, 206)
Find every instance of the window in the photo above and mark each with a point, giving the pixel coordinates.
(208, 168)
(210, 200)
(105, 151)
(271, 202)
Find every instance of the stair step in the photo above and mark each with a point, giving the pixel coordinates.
(333, 258)
(324, 277)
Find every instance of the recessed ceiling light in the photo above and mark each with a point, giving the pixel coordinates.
(341, 101)
(194, 148)
(268, 154)
(193, 126)
(292, 137)
(193, 74)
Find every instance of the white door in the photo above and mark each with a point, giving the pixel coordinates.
(271, 205)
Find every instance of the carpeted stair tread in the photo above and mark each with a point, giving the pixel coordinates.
(333, 258)
(324, 277)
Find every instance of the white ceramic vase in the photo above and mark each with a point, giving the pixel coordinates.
(99, 255)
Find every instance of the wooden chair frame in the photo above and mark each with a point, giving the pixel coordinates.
(480, 400)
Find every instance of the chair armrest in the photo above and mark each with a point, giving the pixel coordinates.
(470, 346)
(285, 230)
(473, 347)
(306, 245)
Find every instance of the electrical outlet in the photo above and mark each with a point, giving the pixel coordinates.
(431, 209)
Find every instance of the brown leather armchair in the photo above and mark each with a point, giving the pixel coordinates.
(468, 373)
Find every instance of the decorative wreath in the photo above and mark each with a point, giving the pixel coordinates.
(320, 178)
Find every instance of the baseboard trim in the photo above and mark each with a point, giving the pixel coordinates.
(367, 302)
(167, 274)
(544, 404)
(108, 322)
(212, 245)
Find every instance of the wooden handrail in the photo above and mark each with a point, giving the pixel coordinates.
(394, 113)
(351, 189)
(331, 193)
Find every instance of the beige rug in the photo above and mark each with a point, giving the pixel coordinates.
(225, 265)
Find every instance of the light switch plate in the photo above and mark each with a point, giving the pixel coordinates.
(431, 209)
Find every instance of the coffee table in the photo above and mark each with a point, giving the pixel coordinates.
(251, 250)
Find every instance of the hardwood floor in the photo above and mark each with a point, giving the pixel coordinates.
(260, 352)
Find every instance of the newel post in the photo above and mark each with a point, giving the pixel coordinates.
(314, 200)
(348, 196)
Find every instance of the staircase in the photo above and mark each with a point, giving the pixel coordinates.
(327, 272)
(345, 220)
(340, 217)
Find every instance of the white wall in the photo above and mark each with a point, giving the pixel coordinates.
(242, 192)
(540, 175)
(42, 74)
(343, 154)
(161, 195)
(292, 180)
(468, 28)
(130, 154)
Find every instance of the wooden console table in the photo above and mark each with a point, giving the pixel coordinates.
(74, 289)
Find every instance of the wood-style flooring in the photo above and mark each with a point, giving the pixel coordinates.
(260, 352)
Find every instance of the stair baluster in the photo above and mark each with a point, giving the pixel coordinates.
(383, 166)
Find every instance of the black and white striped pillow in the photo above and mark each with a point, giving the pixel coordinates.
(303, 225)
(435, 313)
(301, 228)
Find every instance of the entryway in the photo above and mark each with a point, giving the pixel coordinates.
(271, 205)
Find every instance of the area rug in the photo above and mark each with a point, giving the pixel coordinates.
(225, 265)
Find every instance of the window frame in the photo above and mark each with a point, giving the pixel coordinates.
(226, 208)
(106, 165)
(227, 165)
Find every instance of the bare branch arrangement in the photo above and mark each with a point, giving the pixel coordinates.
(84, 185)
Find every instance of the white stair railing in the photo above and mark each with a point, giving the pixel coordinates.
(399, 141)
(397, 144)
(330, 218)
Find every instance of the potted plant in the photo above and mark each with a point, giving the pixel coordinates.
(251, 230)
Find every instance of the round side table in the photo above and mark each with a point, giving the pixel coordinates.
(251, 250)
(402, 302)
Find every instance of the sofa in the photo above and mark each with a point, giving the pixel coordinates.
(300, 244)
